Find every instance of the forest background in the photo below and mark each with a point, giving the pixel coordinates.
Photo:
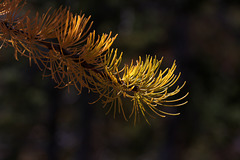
(38, 121)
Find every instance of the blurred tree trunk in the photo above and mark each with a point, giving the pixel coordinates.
(86, 113)
(52, 124)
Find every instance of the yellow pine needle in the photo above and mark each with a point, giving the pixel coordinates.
(63, 45)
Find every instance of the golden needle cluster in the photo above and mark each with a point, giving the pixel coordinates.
(61, 44)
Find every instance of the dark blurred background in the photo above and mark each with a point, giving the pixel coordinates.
(40, 122)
